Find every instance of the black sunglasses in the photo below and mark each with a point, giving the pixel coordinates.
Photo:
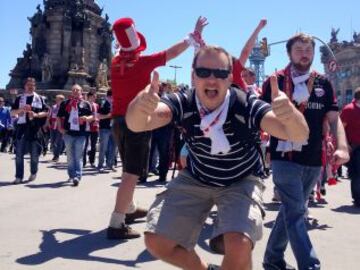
(206, 73)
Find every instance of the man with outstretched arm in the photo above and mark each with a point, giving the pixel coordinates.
(130, 73)
(217, 123)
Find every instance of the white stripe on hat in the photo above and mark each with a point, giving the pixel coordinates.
(133, 39)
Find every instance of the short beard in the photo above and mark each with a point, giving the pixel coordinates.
(302, 68)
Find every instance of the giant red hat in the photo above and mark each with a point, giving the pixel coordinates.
(129, 39)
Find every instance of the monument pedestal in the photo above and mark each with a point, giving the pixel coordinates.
(103, 89)
(77, 77)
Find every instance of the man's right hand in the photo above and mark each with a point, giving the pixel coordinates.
(262, 24)
(149, 98)
(200, 24)
(61, 130)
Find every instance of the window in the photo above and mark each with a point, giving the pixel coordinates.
(348, 96)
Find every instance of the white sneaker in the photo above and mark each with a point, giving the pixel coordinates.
(17, 181)
(32, 177)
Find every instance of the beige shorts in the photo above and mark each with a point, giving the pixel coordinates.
(179, 212)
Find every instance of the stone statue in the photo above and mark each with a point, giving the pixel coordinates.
(27, 53)
(102, 75)
(77, 57)
(23, 64)
(46, 69)
(37, 18)
(356, 37)
(334, 35)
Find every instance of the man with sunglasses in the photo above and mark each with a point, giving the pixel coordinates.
(217, 122)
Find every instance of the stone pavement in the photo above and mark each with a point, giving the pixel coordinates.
(48, 224)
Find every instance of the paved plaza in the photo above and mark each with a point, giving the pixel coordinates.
(48, 224)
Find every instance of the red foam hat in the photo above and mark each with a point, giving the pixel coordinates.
(130, 41)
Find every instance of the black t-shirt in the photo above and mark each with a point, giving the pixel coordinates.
(84, 109)
(30, 128)
(105, 108)
(322, 100)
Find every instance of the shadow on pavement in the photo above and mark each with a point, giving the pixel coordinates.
(272, 206)
(349, 209)
(79, 248)
(58, 166)
(150, 184)
(50, 185)
(311, 224)
(4, 184)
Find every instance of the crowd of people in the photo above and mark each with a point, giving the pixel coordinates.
(225, 132)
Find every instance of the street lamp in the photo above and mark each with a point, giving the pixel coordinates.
(175, 67)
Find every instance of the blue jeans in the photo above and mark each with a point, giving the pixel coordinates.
(294, 183)
(107, 148)
(160, 140)
(354, 174)
(22, 147)
(57, 142)
(74, 153)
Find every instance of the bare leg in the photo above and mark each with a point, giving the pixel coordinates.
(168, 251)
(238, 249)
(125, 192)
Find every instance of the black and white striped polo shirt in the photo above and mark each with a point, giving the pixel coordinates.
(243, 119)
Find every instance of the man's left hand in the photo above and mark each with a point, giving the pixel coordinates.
(340, 157)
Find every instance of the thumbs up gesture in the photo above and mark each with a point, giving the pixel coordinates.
(280, 103)
(149, 98)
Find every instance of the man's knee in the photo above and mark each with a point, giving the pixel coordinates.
(238, 247)
(157, 245)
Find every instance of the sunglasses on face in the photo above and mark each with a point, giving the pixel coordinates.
(206, 73)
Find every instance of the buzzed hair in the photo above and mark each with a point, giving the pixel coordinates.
(29, 79)
(60, 97)
(210, 48)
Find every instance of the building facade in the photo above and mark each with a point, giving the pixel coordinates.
(346, 77)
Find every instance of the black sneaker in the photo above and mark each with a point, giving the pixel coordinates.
(125, 232)
(142, 179)
(139, 213)
(356, 203)
(75, 182)
(278, 266)
(162, 180)
(213, 267)
(17, 181)
(217, 244)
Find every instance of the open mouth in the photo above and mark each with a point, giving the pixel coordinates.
(211, 93)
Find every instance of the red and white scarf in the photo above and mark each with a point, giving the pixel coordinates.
(72, 109)
(36, 103)
(300, 95)
(212, 125)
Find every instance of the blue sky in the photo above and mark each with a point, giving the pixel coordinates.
(164, 22)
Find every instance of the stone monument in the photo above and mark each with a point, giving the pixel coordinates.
(70, 39)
